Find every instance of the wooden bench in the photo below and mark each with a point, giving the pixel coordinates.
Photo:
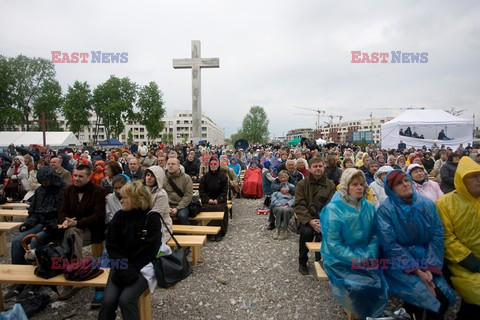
(230, 208)
(10, 214)
(195, 242)
(14, 205)
(4, 228)
(205, 217)
(195, 230)
(320, 274)
(23, 274)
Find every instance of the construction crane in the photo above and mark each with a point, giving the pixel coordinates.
(317, 111)
(455, 112)
(406, 108)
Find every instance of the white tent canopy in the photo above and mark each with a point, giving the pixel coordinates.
(54, 139)
(428, 123)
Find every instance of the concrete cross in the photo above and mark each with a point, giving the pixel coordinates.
(196, 63)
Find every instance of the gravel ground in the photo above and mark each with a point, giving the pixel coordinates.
(246, 276)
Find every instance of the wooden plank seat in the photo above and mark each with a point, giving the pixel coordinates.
(4, 228)
(13, 213)
(23, 274)
(14, 205)
(195, 242)
(320, 274)
(205, 217)
(195, 230)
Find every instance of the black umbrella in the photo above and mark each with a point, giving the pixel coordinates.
(241, 144)
(23, 151)
(330, 145)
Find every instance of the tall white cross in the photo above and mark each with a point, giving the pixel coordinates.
(196, 63)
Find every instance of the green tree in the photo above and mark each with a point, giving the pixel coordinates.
(77, 106)
(130, 138)
(237, 136)
(255, 126)
(114, 104)
(150, 104)
(9, 115)
(26, 80)
(50, 102)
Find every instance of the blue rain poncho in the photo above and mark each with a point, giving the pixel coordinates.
(411, 237)
(349, 235)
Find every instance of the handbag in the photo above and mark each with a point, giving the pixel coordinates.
(194, 207)
(172, 268)
(44, 255)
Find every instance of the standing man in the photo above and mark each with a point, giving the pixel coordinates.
(56, 164)
(82, 214)
(311, 195)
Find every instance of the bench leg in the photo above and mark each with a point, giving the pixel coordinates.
(3, 242)
(204, 222)
(145, 305)
(195, 255)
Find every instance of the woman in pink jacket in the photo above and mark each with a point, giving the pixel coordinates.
(427, 188)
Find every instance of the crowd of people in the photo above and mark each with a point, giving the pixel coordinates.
(412, 209)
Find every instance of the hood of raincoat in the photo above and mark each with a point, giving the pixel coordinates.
(48, 174)
(380, 171)
(394, 197)
(347, 178)
(466, 165)
(21, 158)
(159, 174)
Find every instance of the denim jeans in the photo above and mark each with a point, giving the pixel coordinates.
(18, 253)
(182, 216)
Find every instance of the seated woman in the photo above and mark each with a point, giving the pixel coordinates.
(135, 235)
(400, 164)
(348, 228)
(233, 181)
(41, 220)
(33, 183)
(213, 194)
(377, 186)
(17, 174)
(252, 182)
(411, 236)
(282, 207)
(112, 168)
(154, 177)
(99, 172)
(427, 188)
(302, 166)
(235, 166)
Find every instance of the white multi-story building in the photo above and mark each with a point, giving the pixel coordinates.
(177, 129)
(342, 132)
(299, 133)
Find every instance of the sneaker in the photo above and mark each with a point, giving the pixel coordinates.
(276, 232)
(282, 235)
(97, 299)
(14, 291)
(271, 226)
(303, 269)
(29, 290)
(68, 292)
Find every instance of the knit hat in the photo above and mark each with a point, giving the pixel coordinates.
(394, 177)
(267, 164)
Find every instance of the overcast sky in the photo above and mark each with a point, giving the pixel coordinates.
(276, 54)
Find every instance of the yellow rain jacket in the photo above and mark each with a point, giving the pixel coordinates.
(460, 214)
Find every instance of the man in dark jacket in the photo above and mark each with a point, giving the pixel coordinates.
(82, 214)
(192, 166)
(311, 195)
(447, 173)
(41, 220)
